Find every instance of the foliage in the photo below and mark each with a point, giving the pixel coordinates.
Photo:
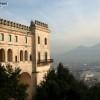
(9, 84)
(93, 92)
(61, 85)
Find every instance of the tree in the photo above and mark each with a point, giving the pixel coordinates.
(10, 87)
(93, 92)
(48, 88)
(60, 85)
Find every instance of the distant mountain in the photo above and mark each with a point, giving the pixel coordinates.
(82, 55)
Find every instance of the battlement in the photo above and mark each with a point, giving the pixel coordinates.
(36, 24)
(13, 24)
(41, 24)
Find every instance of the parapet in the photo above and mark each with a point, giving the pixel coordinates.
(13, 24)
(34, 25)
(41, 24)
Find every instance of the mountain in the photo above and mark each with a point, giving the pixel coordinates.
(82, 55)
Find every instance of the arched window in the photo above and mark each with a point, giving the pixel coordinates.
(10, 55)
(2, 55)
(1, 37)
(45, 41)
(46, 56)
(26, 55)
(21, 55)
(38, 40)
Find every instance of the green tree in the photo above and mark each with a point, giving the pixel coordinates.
(93, 92)
(10, 87)
(60, 85)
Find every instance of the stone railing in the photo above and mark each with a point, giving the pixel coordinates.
(44, 62)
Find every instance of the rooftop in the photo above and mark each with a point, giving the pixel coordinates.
(20, 26)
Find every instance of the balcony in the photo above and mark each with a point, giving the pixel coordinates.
(44, 62)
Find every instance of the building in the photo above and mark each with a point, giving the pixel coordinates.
(26, 47)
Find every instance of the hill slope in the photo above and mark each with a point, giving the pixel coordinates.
(82, 55)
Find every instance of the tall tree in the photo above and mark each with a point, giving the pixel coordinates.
(10, 86)
(60, 85)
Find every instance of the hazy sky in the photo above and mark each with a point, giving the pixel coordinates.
(72, 22)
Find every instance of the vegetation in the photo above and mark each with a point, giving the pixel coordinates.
(57, 85)
(10, 87)
(61, 85)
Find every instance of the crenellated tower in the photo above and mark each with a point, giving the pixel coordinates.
(42, 60)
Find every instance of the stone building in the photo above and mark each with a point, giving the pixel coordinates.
(26, 47)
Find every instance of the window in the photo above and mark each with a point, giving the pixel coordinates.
(9, 38)
(30, 57)
(21, 55)
(39, 56)
(15, 58)
(2, 55)
(25, 39)
(10, 55)
(38, 40)
(26, 55)
(16, 38)
(1, 37)
(46, 56)
(45, 41)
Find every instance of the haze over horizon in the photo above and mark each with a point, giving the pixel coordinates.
(72, 22)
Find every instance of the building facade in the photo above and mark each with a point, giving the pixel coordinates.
(26, 47)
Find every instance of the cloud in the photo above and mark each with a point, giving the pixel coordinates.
(72, 22)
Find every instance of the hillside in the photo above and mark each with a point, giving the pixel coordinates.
(81, 55)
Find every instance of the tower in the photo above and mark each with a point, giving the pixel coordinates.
(41, 50)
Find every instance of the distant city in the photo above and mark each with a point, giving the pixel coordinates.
(83, 62)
